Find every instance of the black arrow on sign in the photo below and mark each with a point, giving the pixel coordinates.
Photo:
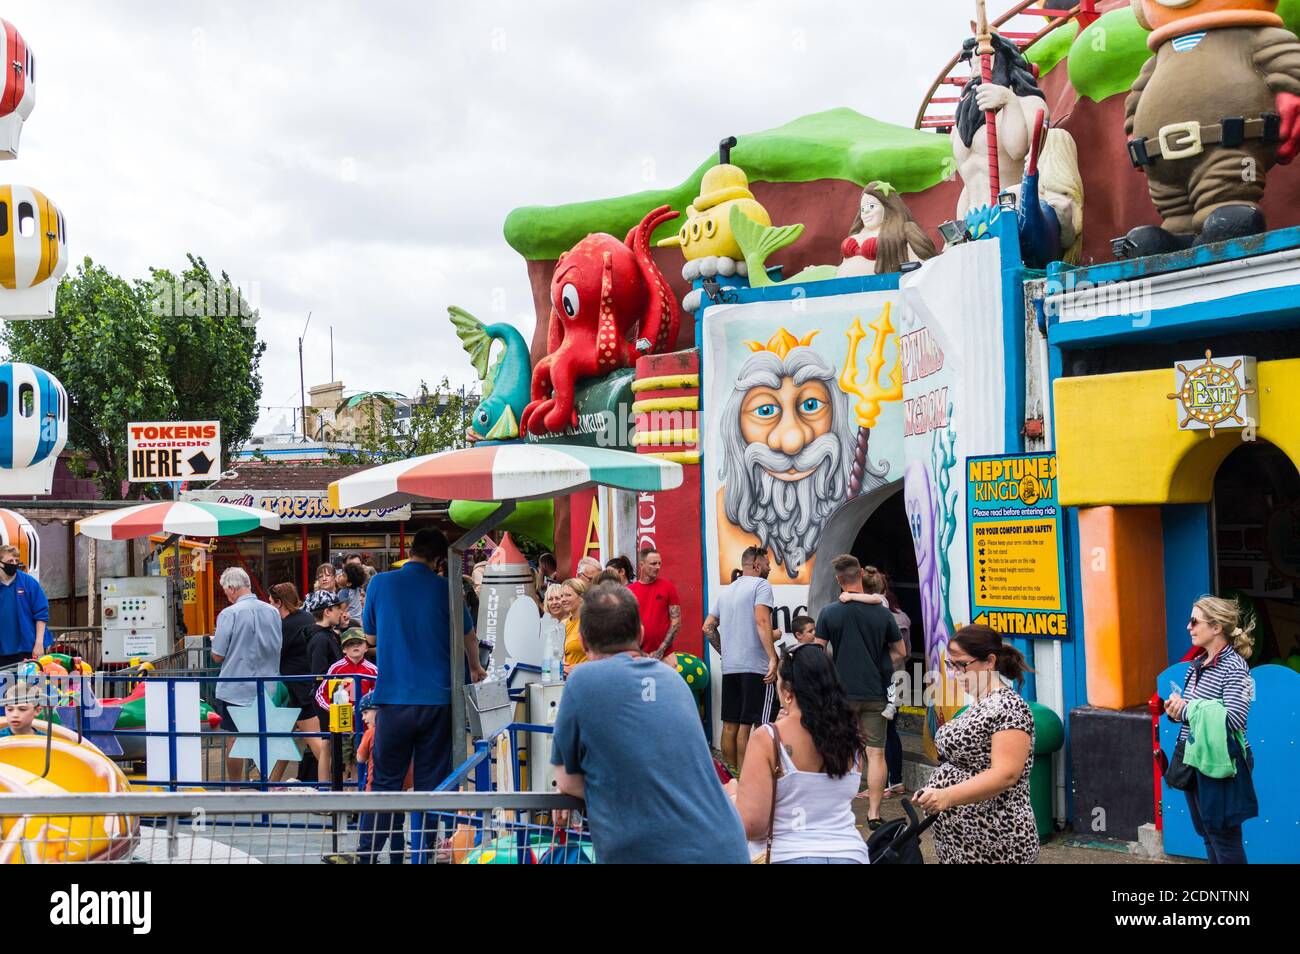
(200, 463)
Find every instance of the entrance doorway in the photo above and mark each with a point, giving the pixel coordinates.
(874, 529)
(885, 542)
(1256, 524)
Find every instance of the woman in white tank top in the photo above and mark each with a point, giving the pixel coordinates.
(818, 769)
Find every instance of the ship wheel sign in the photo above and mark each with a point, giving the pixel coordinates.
(1212, 395)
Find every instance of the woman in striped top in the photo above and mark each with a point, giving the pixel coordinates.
(1219, 673)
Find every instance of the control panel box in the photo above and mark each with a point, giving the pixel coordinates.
(139, 619)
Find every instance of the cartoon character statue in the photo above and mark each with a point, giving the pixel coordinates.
(1060, 185)
(1013, 94)
(789, 442)
(1208, 116)
(505, 381)
(884, 235)
(712, 255)
(609, 305)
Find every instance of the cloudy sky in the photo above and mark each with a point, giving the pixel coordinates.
(357, 160)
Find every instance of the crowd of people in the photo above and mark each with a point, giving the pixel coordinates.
(808, 718)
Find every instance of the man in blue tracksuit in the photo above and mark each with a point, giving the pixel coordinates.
(24, 610)
(407, 615)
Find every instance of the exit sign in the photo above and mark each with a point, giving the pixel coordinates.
(168, 450)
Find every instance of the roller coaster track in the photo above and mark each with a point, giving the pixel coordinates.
(1085, 12)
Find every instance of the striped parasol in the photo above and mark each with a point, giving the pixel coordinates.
(189, 519)
(503, 472)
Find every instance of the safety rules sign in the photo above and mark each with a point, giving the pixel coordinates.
(173, 451)
(1017, 559)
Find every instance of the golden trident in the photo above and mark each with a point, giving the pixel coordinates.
(870, 394)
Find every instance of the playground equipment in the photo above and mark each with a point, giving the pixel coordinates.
(16, 530)
(61, 765)
(33, 418)
(33, 252)
(17, 88)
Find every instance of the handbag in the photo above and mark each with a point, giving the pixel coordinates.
(766, 857)
(1179, 774)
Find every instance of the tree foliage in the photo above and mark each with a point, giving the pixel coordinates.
(169, 348)
(437, 422)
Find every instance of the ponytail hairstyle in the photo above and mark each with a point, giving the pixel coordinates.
(286, 594)
(824, 710)
(980, 642)
(1235, 624)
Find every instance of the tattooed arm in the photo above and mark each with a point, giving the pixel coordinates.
(674, 624)
(711, 633)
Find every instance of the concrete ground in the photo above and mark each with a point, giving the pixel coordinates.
(1063, 849)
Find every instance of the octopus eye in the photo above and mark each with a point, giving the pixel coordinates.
(569, 300)
(710, 227)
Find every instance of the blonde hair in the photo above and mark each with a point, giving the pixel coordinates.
(10, 548)
(1227, 615)
(1058, 168)
(577, 585)
(553, 590)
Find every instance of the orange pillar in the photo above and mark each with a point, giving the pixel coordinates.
(1121, 550)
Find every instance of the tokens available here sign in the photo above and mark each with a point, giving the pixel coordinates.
(167, 451)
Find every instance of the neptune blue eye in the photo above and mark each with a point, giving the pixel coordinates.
(767, 410)
(811, 405)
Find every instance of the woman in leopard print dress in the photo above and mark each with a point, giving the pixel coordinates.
(981, 788)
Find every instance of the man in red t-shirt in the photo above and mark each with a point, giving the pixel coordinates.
(661, 609)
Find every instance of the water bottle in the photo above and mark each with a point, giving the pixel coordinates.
(552, 660)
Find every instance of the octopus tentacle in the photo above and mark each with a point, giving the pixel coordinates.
(659, 324)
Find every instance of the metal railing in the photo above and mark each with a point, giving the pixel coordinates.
(1085, 12)
(293, 828)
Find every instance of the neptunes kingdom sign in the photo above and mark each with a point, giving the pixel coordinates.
(1017, 553)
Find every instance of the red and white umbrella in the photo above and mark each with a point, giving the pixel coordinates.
(503, 472)
(188, 519)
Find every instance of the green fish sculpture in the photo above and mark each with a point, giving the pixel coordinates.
(505, 380)
(757, 242)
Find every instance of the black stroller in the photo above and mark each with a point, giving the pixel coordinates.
(897, 842)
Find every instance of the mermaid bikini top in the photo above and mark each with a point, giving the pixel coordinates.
(850, 247)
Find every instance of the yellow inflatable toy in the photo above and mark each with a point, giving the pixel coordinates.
(74, 768)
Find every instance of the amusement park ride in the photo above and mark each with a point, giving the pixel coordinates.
(959, 370)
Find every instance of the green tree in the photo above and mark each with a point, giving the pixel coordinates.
(436, 422)
(131, 351)
(208, 339)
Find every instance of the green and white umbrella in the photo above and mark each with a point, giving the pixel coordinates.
(504, 472)
(185, 518)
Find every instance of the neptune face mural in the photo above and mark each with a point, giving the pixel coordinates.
(788, 446)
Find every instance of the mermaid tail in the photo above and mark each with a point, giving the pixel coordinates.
(757, 242)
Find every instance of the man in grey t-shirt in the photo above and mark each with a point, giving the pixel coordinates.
(739, 626)
(246, 643)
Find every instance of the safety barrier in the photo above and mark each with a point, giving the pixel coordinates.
(294, 828)
(82, 713)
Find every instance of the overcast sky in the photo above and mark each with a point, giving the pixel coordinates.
(357, 160)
